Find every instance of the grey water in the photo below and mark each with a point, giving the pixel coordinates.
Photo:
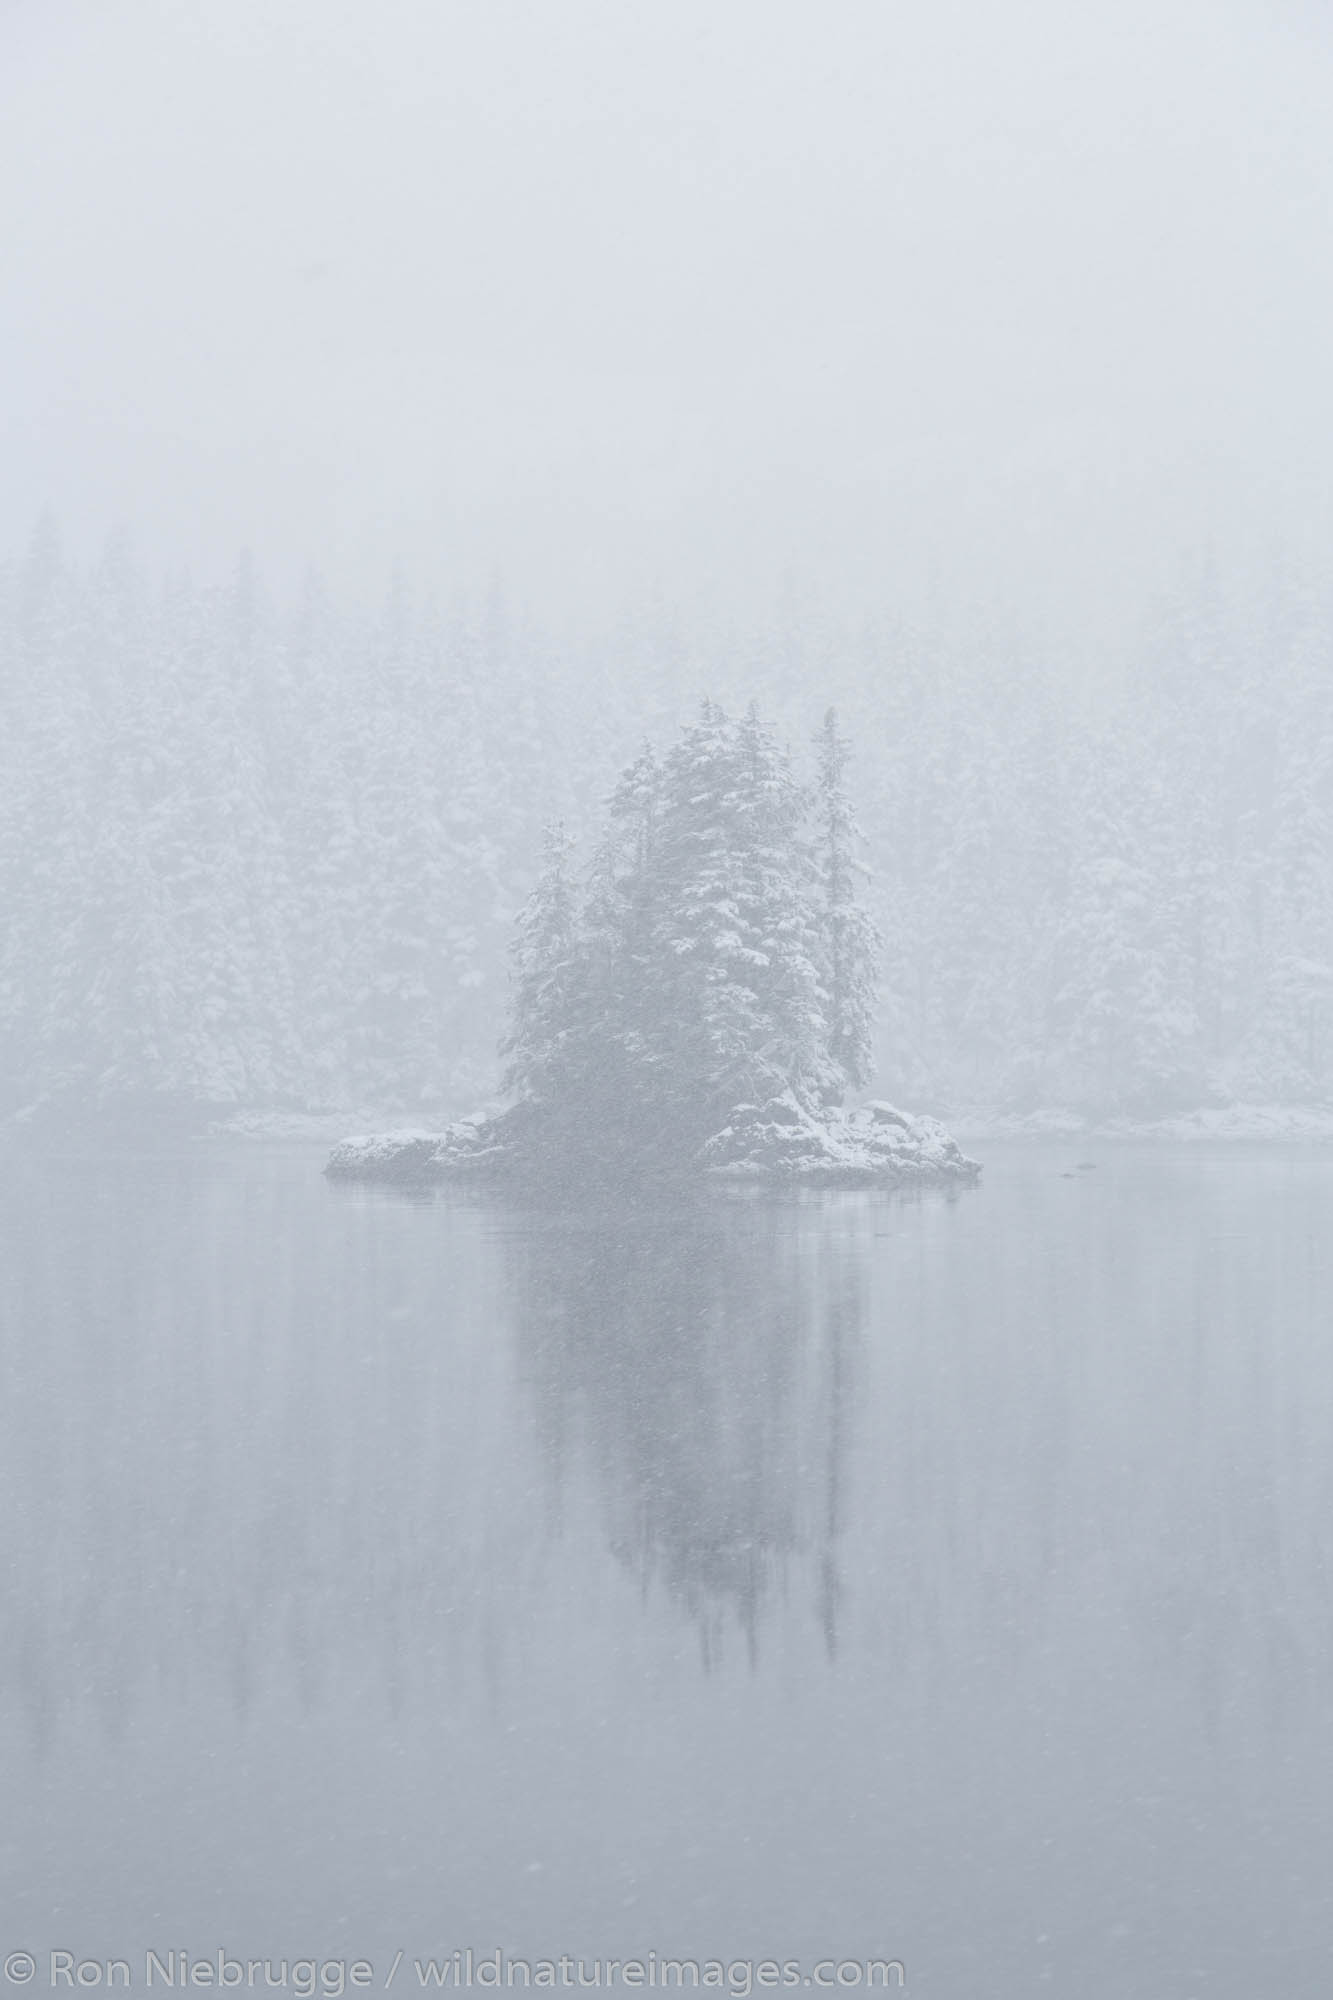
(941, 1580)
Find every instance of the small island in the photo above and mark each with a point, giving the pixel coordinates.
(699, 1003)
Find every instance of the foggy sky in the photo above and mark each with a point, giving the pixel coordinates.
(993, 296)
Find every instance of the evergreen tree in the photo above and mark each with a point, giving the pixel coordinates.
(851, 940)
(545, 968)
(735, 950)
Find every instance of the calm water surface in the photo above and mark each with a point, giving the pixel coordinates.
(939, 1579)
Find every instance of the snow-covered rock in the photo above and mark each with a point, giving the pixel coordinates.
(378, 1156)
(875, 1145)
(477, 1148)
(782, 1140)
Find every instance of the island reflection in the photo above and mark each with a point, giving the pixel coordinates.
(702, 1360)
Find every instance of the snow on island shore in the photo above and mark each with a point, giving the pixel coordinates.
(780, 1141)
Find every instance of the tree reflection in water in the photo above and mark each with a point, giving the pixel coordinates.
(701, 1357)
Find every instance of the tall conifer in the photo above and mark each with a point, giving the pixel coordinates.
(852, 943)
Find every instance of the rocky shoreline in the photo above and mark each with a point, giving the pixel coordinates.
(782, 1141)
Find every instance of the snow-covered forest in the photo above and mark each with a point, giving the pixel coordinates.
(267, 853)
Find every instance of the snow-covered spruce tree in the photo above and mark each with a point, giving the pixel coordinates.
(851, 941)
(718, 957)
(546, 964)
(733, 948)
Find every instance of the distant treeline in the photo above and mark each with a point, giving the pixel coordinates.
(262, 856)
